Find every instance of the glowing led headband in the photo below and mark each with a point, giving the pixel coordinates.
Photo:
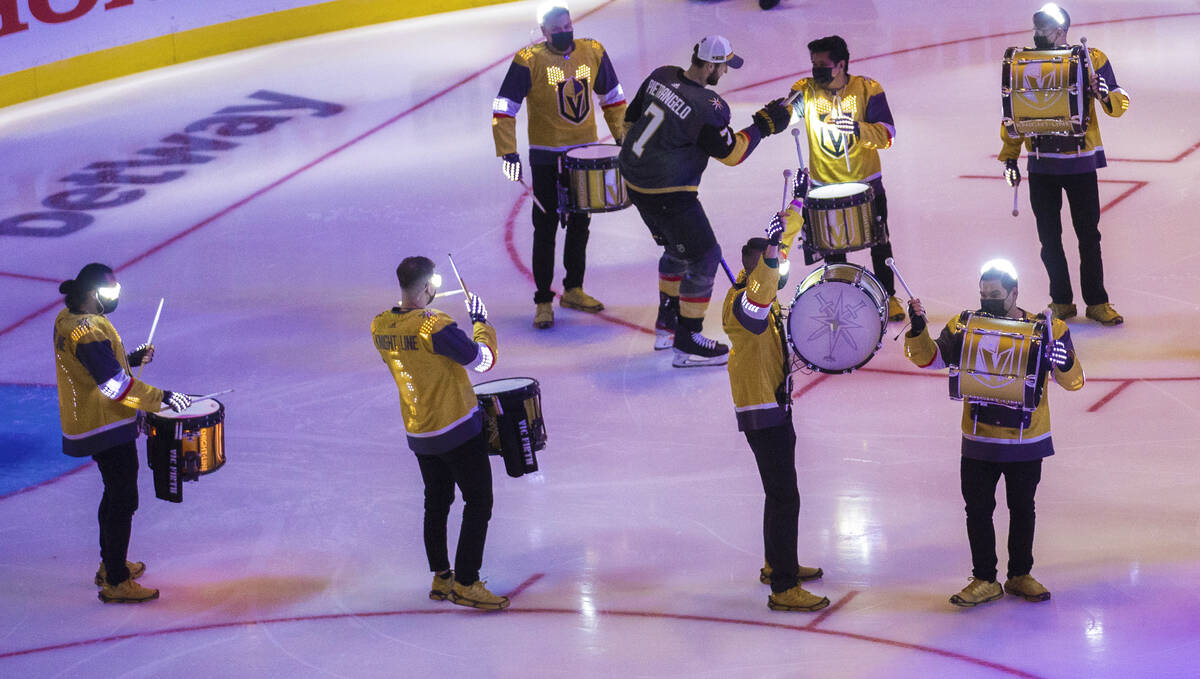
(547, 7)
(1052, 10)
(1002, 265)
(110, 292)
(436, 279)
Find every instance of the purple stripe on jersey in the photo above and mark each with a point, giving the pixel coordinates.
(99, 360)
(749, 420)
(878, 111)
(433, 445)
(606, 79)
(755, 325)
(516, 83)
(1007, 452)
(454, 344)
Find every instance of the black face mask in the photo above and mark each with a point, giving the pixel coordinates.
(823, 74)
(107, 306)
(562, 41)
(1042, 42)
(995, 307)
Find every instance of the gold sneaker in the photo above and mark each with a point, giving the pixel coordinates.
(1104, 314)
(796, 599)
(1063, 311)
(544, 316)
(895, 310)
(476, 595)
(1027, 588)
(442, 584)
(576, 298)
(136, 570)
(128, 592)
(803, 574)
(977, 592)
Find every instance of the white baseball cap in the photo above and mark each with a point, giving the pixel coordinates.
(716, 49)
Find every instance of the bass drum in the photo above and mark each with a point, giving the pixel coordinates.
(838, 318)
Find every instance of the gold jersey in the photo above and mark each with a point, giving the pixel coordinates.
(863, 100)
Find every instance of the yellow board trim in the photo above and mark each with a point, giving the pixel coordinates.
(208, 41)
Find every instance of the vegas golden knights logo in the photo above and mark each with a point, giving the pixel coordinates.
(831, 141)
(998, 360)
(574, 100)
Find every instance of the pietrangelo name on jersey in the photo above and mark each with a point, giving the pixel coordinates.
(669, 98)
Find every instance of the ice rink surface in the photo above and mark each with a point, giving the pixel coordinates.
(635, 550)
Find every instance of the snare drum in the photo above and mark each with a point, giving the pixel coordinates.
(593, 178)
(841, 218)
(837, 318)
(512, 421)
(182, 446)
(1044, 92)
(1001, 362)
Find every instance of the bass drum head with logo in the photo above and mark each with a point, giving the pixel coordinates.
(837, 319)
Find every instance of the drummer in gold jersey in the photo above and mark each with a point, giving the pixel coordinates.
(98, 401)
(998, 440)
(848, 121)
(428, 356)
(559, 78)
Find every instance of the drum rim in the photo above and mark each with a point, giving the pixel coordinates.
(569, 152)
(867, 192)
(180, 418)
(532, 382)
(856, 283)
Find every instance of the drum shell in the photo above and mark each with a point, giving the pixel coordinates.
(1059, 102)
(863, 319)
(182, 448)
(513, 424)
(842, 224)
(1000, 362)
(594, 184)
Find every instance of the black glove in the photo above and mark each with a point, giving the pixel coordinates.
(846, 125)
(772, 118)
(918, 321)
(775, 230)
(801, 189)
(177, 400)
(476, 309)
(1012, 174)
(143, 354)
(510, 164)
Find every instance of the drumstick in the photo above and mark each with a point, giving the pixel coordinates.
(153, 327)
(456, 275)
(799, 151)
(215, 393)
(787, 188)
(536, 202)
(1015, 212)
(892, 265)
(450, 292)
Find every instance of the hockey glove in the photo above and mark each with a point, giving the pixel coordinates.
(772, 118)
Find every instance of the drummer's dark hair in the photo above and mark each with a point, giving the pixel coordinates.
(752, 247)
(997, 275)
(835, 45)
(413, 271)
(88, 279)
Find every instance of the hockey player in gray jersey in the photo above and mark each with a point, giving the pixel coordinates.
(675, 125)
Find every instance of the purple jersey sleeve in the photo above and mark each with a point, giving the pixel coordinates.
(606, 79)
(755, 325)
(878, 111)
(516, 83)
(455, 345)
(99, 360)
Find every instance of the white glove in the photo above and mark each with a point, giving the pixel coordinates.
(476, 308)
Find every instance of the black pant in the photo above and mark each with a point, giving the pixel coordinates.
(1083, 196)
(467, 466)
(545, 230)
(775, 452)
(979, 479)
(879, 253)
(119, 470)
